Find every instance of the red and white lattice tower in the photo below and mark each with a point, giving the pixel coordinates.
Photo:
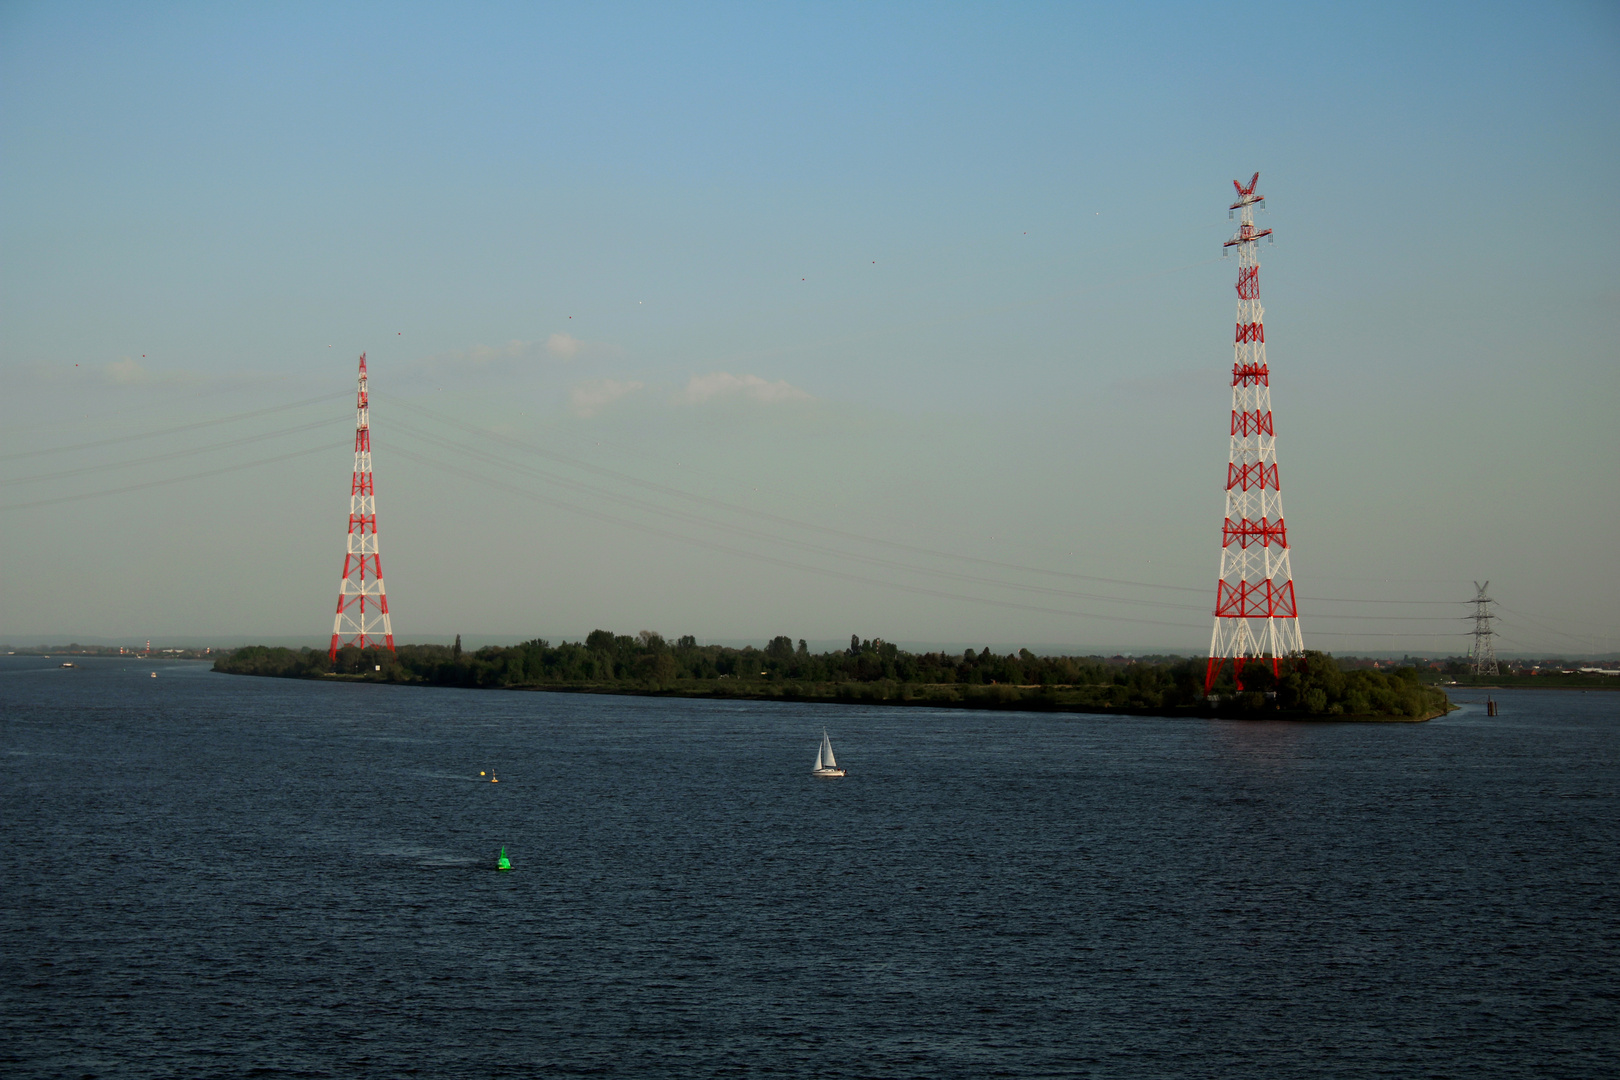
(1255, 612)
(362, 605)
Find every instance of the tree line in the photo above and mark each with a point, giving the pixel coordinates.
(869, 670)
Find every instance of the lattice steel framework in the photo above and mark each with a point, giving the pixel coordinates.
(1483, 653)
(1255, 612)
(362, 605)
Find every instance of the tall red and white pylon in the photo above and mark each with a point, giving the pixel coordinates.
(1255, 612)
(362, 605)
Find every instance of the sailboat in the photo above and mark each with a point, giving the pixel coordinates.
(826, 764)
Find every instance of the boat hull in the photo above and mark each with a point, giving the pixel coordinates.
(827, 774)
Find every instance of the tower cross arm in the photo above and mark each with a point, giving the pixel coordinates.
(1246, 235)
(1246, 195)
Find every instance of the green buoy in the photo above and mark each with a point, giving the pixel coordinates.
(505, 863)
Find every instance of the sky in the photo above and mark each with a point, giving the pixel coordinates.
(900, 320)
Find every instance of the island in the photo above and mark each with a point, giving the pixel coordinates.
(872, 671)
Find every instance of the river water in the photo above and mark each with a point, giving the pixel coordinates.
(208, 875)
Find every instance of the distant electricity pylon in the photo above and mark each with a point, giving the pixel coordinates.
(1483, 654)
(362, 605)
(1255, 612)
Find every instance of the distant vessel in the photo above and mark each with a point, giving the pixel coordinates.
(68, 663)
(505, 863)
(826, 764)
(154, 674)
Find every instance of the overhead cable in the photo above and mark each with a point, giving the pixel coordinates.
(757, 557)
(730, 507)
(168, 480)
(692, 519)
(127, 463)
(170, 430)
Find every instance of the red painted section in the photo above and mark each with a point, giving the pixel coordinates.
(1255, 600)
(1217, 662)
(1250, 374)
(1286, 608)
(1255, 423)
(1256, 474)
(1248, 532)
(1248, 285)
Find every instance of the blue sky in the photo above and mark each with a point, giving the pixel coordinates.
(915, 276)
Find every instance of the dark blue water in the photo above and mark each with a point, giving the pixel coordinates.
(208, 875)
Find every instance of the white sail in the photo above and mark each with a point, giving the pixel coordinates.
(819, 764)
(827, 759)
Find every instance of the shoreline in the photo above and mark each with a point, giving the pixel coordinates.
(985, 703)
(982, 705)
(1610, 685)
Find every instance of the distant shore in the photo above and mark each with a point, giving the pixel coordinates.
(1537, 682)
(875, 672)
(931, 697)
(944, 696)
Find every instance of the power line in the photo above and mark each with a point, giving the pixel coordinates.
(1376, 633)
(165, 431)
(772, 538)
(1390, 618)
(168, 480)
(687, 518)
(134, 462)
(1545, 627)
(1363, 600)
(965, 316)
(734, 508)
(757, 557)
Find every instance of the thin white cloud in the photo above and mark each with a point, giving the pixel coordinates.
(127, 371)
(566, 346)
(590, 398)
(722, 385)
(558, 346)
(484, 354)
